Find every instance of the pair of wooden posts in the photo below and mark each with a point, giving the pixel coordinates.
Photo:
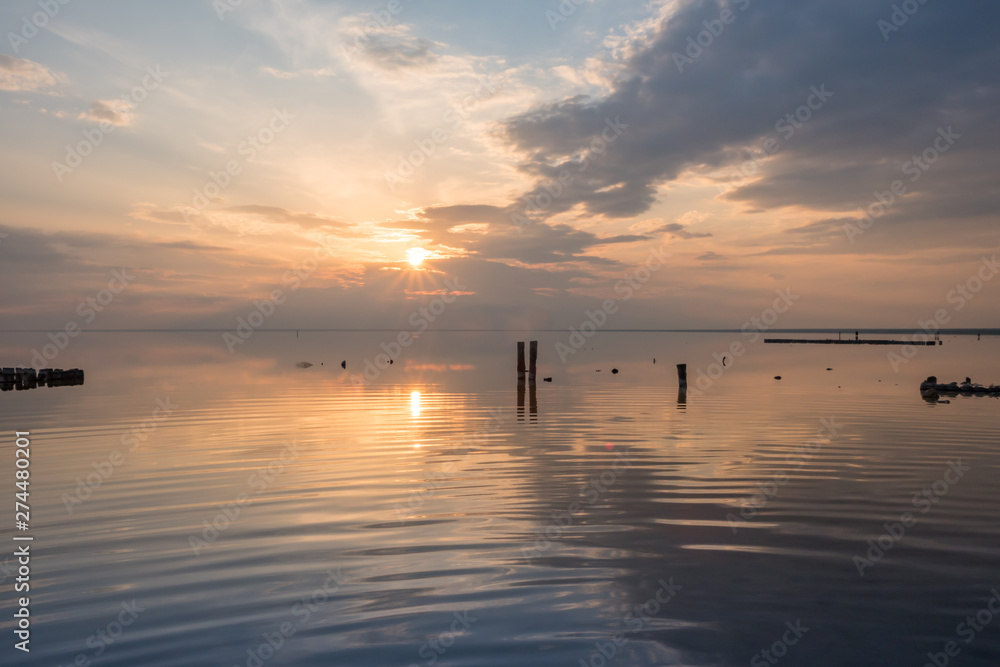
(533, 360)
(530, 371)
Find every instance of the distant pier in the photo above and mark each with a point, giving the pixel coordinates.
(832, 341)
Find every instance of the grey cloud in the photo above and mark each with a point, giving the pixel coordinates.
(680, 231)
(393, 52)
(536, 243)
(889, 99)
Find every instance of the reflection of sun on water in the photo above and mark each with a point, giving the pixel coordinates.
(415, 403)
(416, 256)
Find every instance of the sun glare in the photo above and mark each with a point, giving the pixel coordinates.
(416, 256)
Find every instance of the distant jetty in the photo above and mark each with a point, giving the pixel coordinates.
(831, 341)
(20, 379)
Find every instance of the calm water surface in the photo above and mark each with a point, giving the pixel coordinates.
(426, 519)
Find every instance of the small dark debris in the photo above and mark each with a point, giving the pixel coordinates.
(343, 364)
(546, 379)
(614, 371)
(777, 377)
(829, 369)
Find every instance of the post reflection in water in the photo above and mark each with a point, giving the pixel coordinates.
(532, 399)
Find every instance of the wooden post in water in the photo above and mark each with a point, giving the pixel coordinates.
(682, 374)
(533, 360)
(520, 359)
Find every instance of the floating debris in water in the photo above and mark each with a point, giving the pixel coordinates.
(343, 364)
(777, 377)
(546, 379)
(303, 364)
(614, 371)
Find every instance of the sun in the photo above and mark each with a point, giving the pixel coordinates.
(416, 256)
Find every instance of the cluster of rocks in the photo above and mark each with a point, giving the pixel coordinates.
(931, 384)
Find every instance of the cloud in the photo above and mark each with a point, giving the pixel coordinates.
(276, 215)
(399, 51)
(21, 75)
(247, 219)
(285, 75)
(888, 101)
(679, 231)
(116, 112)
(191, 245)
(488, 232)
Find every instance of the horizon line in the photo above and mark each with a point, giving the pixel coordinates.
(989, 331)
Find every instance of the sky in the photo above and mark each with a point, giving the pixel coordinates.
(518, 164)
